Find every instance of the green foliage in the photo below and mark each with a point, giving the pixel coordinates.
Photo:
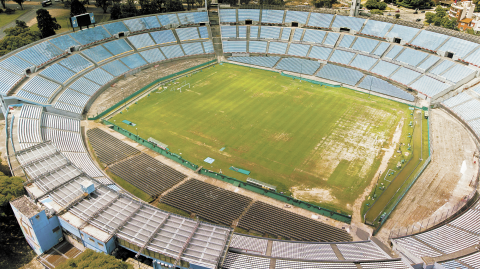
(174, 5)
(415, 3)
(375, 4)
(116, 12)
(9, 11)
(441, 18)
(323, 3)
(17, 37)
(104, 4)
(397, 16)
(77, 8)
(3, 4)
(10, 188)
(46, 24)
(20, 3)
(376, 11)
(90, 259)
(272, 2)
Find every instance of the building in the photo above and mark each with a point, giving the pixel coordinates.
(461, 10)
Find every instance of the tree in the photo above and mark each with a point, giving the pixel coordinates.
(17, 36)
(174, 5)
(375, 4)
(376, 11)
(129, 9)
(46, 24)
(77, 8)
(450, 23)
(104, 4)
(397, 16)
(272, 2)
(10, 188)
(20, 3)
(429, 17)
(91, 259)
(323, 3)
(116, 12)
(3, 4)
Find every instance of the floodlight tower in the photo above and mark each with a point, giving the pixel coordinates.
(354, 8)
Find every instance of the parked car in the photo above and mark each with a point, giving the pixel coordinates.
(46, 3)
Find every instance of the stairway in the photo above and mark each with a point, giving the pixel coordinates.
(215, 29)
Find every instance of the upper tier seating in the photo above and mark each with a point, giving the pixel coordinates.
(376, 28)
(257, 46)
(77, 63)
(40, 54)
(192, 17)
(404, 75)
(411, 57)
(8, 81)
(320, 20)
(363, 62)
(116, 27)
(384, 69)
(342, 57)
(187, 33)
(314, 36)
(277, 47)
(133, 61)
(90, 36)
(193, 48)
(298, 49)
(116, 68)
(458, 46)
(296, 16)
(234, 46)
(403, 32)
(429, 86)
(228, 31)
(272, 16)
(429, 40)
(97, 54)
(228, 15)
(249, 14)
(57, 73)
(141, 41)
(15, 65)
(321, 53)
(118, 47)
(168, 20)
(174, 51)
(270, 32)
(64, 42)
(153, 55)
(352, 23)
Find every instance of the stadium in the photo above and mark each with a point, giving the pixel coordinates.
(248, 138)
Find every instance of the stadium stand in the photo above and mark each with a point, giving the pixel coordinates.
(257, 46)
(136, 25)
(133, 61)
(63, 140)
(298, 49)
(84, 86)
(55, 121)
(365, 44)
(296, 65)
(458, 46)
(38, 89)
(193, 48)
(331, 39)
(296, 16)
(314, 36)
(411, 57)
(254, 32)
(228, 15)
(242, 31)
(340, 74)
(247, 243)
(321, 53)
(228, 31)
(40, 54)
(64, 42)
(97, 54)
(15, 65)
(191, 18)
(277, 47)
(346, 41)
(402, 32)
(429, 86)
(285, 34)
(429, 62)
(297, 36)
(342, 57)
(363, 62)
(351, 23)
(404, 75)
(384, 69)
(108, 148)
(77, 63)
(276, 221)
(118, 47)
(8, 81)
(168, 20)
(208, 47)
(207, 201)
(320, 20)
(99, 76)
(90, 36)
(57, 73)
(383, 87)
(173, 51)
(116, 68)
(272, 16)
(429, 40)
(380, 50)
(234, 46)
(376, 28)
(72, 101)
(153, 55)
(394, 52)
(141, 41)
(115, 27)
(269, 32)
(249, 14)
(147, 173)
(185, 34)
(302, 251)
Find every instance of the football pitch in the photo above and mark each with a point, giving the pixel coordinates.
(321, 144)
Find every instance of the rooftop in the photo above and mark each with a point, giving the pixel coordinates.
(26, 206)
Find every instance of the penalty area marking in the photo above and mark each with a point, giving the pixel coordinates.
(388, 173)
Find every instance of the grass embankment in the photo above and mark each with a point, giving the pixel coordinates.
(288, 133)
(406, 175)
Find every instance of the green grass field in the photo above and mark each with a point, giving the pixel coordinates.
(321, 144)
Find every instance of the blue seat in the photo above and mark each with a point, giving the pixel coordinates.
(153, 55)
(57, 73)
(77, 63)
(174, 51)
(297, 65)
(340, 74)
(141, 41)
(320, 20)
(133, 61)
(116, 68)
(257, 60)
